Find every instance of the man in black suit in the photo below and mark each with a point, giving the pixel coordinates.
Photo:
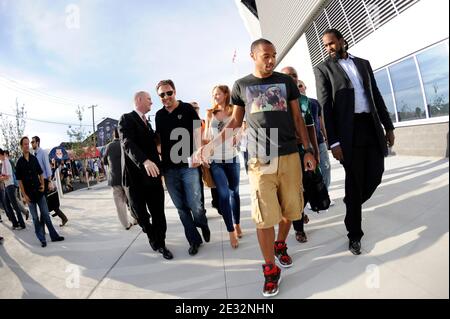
(355, 114)
(141, 175)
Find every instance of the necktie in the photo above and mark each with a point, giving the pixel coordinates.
(144, 119)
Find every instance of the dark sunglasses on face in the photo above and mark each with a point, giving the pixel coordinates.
(168, 93)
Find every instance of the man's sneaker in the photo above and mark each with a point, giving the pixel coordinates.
(281, 255)
(272, 275)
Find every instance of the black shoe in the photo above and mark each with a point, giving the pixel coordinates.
(206, 234)
(64, 222)
(153, 245)
(21, 227)
(355, 247)
(165, 252)
(193, 250)
(27, 215)
(305, 219)
(43, 244)
(300, 236)
(60, 238)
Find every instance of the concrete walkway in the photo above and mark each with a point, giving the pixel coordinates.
(405, 250)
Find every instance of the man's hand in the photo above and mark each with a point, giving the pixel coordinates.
(151, 168)
(390, 138)
(26, 200)
(337, 153)
(309, 162)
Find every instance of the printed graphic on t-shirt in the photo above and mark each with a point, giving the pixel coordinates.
(267, 98)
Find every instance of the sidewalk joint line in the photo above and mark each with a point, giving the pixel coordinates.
(113, 265)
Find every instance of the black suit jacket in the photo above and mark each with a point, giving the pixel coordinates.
(336, 94)
(138, 144)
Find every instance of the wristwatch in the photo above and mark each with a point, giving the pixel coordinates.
(309, 150)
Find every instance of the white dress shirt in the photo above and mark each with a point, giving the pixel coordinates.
(361, 101)
(7, 170)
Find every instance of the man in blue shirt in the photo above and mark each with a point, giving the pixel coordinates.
(43, 160)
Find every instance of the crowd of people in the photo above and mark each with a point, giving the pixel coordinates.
(26, 185)
(282, 133)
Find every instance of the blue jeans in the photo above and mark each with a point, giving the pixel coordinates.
(183, 185)
(226, 177)
(39, 223)
(325, 166)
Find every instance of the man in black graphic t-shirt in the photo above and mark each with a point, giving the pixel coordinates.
(269, 101)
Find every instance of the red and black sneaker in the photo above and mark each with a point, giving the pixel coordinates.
(281, 255)
(272, 275)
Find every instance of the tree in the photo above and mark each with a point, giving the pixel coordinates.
(12, 131)
(77, 134)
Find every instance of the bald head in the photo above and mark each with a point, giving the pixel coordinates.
(302, 87)
(289, 70)
(143, 101)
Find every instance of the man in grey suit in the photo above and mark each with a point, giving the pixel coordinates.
(112, 159)
(355, 115)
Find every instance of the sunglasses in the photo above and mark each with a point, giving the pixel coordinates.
(168, 93)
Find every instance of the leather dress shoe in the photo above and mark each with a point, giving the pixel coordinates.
(355, 247)
(153, 245)
(60, 238)
(193, 250)
(165, 252)
(206, 234)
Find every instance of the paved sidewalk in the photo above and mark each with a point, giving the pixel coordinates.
(405, 249)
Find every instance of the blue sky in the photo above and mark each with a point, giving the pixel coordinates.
(116, 49)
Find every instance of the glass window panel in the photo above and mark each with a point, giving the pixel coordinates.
(407, 91)
(385, 89)
(434, 69)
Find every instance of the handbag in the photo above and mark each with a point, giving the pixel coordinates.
(314, 188)
(207, 177)
(52, 200)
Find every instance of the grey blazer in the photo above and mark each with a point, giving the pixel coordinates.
(112, 158)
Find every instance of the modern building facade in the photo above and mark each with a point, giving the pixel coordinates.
(406, 42)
